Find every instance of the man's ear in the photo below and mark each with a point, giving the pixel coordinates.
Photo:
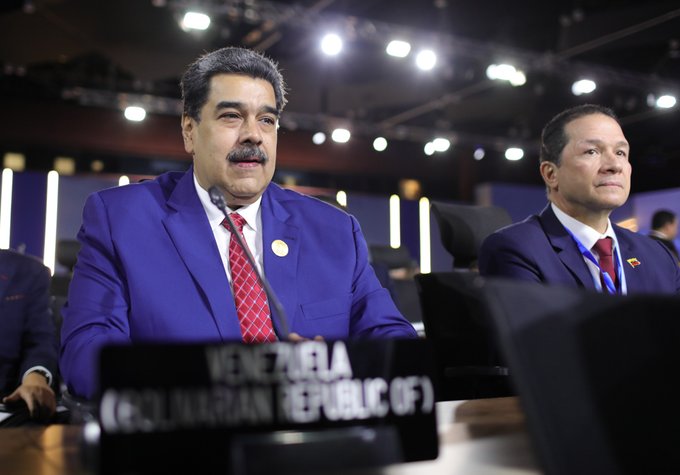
(549, 172)
(188, 125)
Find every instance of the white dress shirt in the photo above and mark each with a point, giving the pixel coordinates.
(588, 237)
(252, 230)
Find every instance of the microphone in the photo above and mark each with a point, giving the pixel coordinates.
(281, 329)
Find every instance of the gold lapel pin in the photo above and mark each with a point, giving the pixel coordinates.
(280, 248)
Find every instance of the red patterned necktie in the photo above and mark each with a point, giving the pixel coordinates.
(249, 295)
(603, 247)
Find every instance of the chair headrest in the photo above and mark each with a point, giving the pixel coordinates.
(67, 252)
(462, 228)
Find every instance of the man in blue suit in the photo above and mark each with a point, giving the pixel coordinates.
(584, 164)
(28, 348)
(154, 265)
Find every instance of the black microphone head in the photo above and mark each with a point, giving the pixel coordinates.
(217, 197)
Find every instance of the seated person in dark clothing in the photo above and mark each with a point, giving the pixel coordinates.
(665, 229)
(28, 352)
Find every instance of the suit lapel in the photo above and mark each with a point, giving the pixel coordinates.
(281, 247)
(566, 248)
(190, 232)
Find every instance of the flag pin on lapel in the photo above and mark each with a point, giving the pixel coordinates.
(633, 262)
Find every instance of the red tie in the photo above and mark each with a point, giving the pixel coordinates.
(251, 300)
(603, 247)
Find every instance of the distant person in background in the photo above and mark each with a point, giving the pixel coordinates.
(28, 348)
(585, 166)
(156, 259)
(665, 229)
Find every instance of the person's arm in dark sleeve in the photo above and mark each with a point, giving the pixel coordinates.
(38, 366)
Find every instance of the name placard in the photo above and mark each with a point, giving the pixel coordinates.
(223, 406)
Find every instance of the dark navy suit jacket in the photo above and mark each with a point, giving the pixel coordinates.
(149, 270)
(27, 332)
(540, 249)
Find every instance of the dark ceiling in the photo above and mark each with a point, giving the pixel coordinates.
(86, 51)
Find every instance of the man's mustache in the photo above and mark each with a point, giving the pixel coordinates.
(247, 153)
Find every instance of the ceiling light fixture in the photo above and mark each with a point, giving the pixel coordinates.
(429, 149)
(666, 101)
(514, 153)
(318, 138)
(135, 113)
(331, 44)
(583, 86)
(341, 135)
(426, 60)
(398, 48)
(195, 21)
(380, 144)
(441, 144)
(506, 72)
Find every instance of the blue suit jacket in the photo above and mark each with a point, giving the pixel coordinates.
(149, 270)
(540, 249)
(27, 333)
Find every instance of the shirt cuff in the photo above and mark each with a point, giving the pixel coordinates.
(42, 370)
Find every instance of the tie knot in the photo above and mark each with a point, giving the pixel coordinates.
(603, 247)
(238, 221)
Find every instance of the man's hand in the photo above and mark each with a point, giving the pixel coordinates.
(38, 396)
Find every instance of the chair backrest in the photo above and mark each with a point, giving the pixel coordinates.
(391, 257)
(462, 228)
(595, 374)
(402, 289)
(468, 362)
(67, 253)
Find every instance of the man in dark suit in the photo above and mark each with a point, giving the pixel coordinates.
(665, 229)
(28, 348)
(584, 164)
(155, 262)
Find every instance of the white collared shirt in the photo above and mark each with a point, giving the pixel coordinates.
(251, 230)
(588, 237)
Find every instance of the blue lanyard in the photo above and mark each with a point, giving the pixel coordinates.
(608, 282)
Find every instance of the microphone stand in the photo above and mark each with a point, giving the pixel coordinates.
(281, 329)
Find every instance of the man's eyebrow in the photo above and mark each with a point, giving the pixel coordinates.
(621, 143)
(271, 110)
(240, 106)
(229, 105)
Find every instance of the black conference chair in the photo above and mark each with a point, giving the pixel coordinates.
(462, 229)
(469, 365)
(595, 375)
(66, 255)
(395, 269)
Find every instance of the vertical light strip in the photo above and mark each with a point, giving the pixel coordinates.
(123, 180)
(6, 207)
(424, 218)
(51, 219)
(341, 198)
(395, 222)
